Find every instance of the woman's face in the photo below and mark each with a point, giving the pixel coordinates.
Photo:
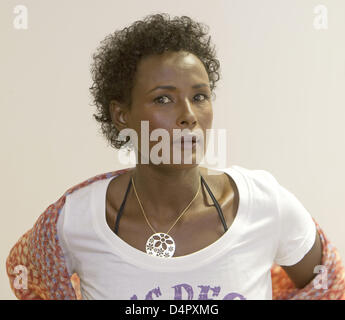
(186, 104)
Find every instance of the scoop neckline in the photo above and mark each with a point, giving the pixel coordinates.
(181, 263)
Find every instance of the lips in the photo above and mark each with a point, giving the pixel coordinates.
(190, 138)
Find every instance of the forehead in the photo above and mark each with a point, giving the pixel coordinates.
(170, 68)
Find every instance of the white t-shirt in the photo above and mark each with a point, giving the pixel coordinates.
(271, 226)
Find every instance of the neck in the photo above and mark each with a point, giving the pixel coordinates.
(165, 192)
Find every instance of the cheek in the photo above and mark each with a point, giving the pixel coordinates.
(206, 119)
(211, 118)
(161, 121)
(154, 121)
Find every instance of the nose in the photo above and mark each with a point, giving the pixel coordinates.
(187, 117)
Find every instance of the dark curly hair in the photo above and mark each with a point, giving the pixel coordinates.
(116, 59)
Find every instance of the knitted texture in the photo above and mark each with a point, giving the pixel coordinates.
(46, 276)
(39, 251)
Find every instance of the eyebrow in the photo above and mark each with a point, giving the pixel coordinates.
(196, 86)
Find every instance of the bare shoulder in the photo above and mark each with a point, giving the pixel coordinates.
(222, 185)
(115, 193)
(118, 187)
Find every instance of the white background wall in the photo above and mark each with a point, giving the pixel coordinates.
(281, 97)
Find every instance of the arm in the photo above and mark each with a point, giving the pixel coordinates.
(286, 288)
(302, 272)
(38, 252)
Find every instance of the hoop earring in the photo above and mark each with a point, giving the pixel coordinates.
(128, 144)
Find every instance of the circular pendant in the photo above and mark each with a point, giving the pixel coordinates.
(160, 245)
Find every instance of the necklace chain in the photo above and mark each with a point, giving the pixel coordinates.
(143, 211)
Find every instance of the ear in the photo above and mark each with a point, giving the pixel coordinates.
(118, 113)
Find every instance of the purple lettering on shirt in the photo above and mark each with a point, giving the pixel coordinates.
(233, 295)
(156, 291)
(204, 292)
(178, 291)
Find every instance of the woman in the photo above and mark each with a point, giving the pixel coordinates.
(171, 230)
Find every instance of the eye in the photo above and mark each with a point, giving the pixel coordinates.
(206, 97)
(160, 98)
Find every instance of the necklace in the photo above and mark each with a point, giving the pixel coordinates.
(161, 244)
